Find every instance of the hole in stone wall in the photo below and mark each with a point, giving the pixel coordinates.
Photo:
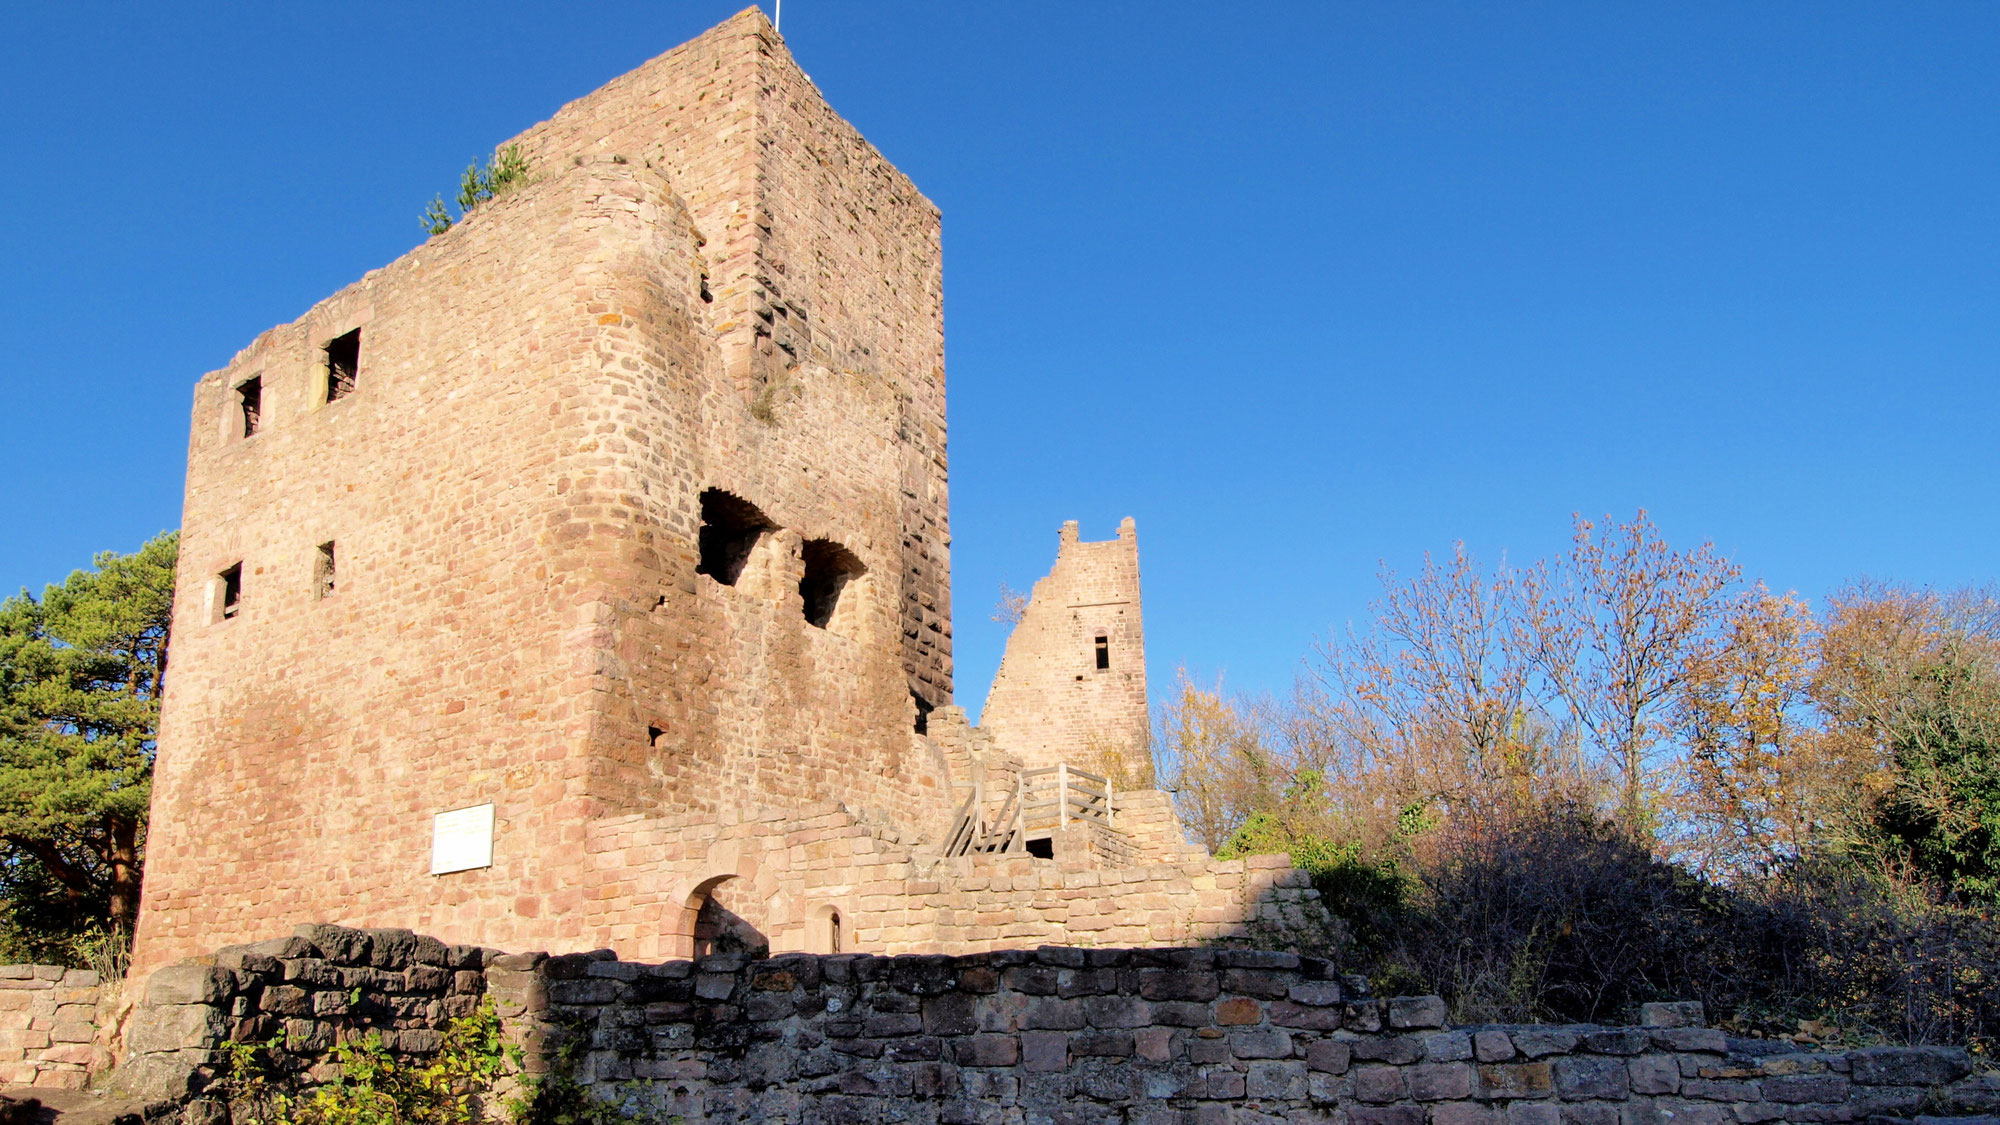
(323, 578)
(829, 567)
(1044, 848)
(833, 932)
(250, 404)
(730, 528)
(653, 736)
(1103, 652)
(923, 712)
(230, 596)
(343, 365)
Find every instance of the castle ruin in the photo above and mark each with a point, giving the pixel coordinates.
(581, 579)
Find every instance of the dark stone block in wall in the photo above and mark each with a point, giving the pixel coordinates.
(1034, 980)
(1329, 1055)
(988, 1050)
(391, 949)
(1087, 982)
(1284, 1013)
(1909, 1066)
(1617, 1041)
(1180, 1013)
(1399, 1050)
(340, 945)
(1178, 984)
(1111, 1044)
(1263, 984)
(1581, 1078)
(951, 1014)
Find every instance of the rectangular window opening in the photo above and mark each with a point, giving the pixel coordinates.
(250, 404)
(323, 577)
(1103, 653)
(232, 590)
(343, 364)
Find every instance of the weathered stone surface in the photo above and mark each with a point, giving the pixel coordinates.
(1799, 1088)
(1654, 1074)
(1408, 1012)
(1584, 1077)
(1379, 1084)
(189, 983)
(1909, 1066)
(1449, 1046)
(1516, 1080)
(1679, 1013)
(1434, 1082)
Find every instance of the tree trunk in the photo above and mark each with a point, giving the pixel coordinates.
(123, 858)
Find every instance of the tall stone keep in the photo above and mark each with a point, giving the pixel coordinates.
(445, 535)
(1072, 683)
(582, 579)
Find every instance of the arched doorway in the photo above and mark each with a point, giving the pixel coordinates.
(709, 926)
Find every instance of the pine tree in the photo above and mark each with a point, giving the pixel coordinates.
(80, 675)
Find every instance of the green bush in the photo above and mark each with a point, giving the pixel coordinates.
(375, 1086)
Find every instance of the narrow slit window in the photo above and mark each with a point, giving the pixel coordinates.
(730, 529)
(323, 576)
(833, 932)
(229, 592)
(923, 709)
(829, 567)
(249, 405)
(343, 365)
(1103, 652)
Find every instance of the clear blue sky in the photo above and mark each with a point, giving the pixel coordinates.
(1301, 287)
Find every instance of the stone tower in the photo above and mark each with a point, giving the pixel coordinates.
(1072, 683)
(624, 496)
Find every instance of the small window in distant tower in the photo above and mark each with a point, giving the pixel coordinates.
(229, 592)
(323, 576)
(829, 567)
(1103, 652)
(343, 365)
(923, 708)
(730, 529)
(250, 404)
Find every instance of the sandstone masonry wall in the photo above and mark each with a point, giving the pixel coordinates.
(790, 875)
(48, 1026)
(1056, 1034)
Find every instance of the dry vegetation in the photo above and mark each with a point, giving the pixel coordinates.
(1627, 773)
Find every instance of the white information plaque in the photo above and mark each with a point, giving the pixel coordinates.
(462, 839)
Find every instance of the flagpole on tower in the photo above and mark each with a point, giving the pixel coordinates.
(778, 15)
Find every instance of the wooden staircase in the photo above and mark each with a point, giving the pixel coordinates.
(997, 818)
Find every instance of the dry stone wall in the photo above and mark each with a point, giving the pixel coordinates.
(48, 1026)
(1158, 1036)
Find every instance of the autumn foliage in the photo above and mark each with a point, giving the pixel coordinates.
(1630, 773)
